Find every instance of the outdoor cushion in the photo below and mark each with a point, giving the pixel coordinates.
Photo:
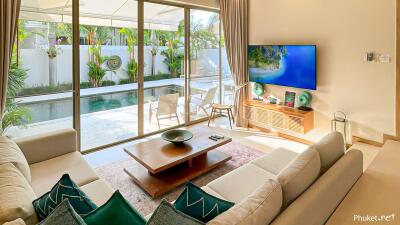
(16, 196)
(260, 208)
(166, 214)
(330, 149)
(299, 175)
(65, 188)
(10, 152)
(200, 205)
(116, 211)
(63, 214)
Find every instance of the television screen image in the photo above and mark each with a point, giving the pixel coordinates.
(286, 65)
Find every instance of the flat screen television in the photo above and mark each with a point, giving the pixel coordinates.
(285, 65)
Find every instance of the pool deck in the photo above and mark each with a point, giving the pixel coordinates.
(109, 126)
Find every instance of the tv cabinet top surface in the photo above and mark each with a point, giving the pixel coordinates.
(280, 108)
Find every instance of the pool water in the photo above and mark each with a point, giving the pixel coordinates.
(57, 109)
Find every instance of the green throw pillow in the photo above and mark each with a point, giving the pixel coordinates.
(116, 211)
(199, 204)
(64, 189)
(166, 214)
(63, 214)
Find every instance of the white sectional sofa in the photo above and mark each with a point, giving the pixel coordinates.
(279, 188)
(44, 160)
(303, 189)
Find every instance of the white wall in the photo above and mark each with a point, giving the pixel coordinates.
(37, 63)
(343, 31)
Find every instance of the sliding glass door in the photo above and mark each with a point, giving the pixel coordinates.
(143, 67)
(204, 63)
(108, 72)
(164, 78)
(40, 78)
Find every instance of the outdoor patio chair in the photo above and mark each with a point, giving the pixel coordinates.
(166, 108)
(206, 102)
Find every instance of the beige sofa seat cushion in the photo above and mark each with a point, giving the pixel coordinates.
(276, 161)
(10, 152)
(98, 191)
(16, 196)
(212, 192)
(260, 208)
(45, 174)
(16, 222)
(240, 183)
(330, 149)
(299, 175)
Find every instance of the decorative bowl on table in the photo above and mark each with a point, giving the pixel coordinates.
(177, 136)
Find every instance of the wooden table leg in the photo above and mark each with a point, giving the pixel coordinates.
(229, 117)
(211, 116)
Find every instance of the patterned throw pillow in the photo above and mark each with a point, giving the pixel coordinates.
(166, 214)
(63, 214)
(116, 211)
(199, 204)
(64, 189)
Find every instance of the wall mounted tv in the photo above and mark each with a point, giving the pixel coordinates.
(285, 65)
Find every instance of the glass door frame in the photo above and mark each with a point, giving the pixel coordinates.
(76, 71)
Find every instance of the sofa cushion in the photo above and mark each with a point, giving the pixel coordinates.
(299, 175)
(330, 149)
(275, 161)
(212, 192)
(10, 152)
(241, 182)
(200, 205)
(65, 188)
(63, 214)
(16, 196)
(166, 214)
(46, 173)
(98, 191)
(116, 211)
(260, 208)
(18, 221)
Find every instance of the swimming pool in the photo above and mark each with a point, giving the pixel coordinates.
(57, 109)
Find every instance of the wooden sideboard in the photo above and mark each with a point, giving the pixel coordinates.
(268, 115)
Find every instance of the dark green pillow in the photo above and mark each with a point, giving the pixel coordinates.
(65, 188)
(166, 214)
(63, 214)
(116, 211)
(199, 204)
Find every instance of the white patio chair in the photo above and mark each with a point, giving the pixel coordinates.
(206, 102)
(166, 108)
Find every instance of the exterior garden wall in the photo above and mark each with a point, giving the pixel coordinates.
(36, 62)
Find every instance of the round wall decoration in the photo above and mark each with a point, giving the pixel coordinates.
(114, 62)
(258, 89)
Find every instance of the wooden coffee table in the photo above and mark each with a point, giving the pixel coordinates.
(163, 166)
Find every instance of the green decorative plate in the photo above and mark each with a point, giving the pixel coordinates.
(305, 98)
(177, 136)
(258, 89)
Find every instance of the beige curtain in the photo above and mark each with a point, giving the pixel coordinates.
(234, 19)
(9, 10)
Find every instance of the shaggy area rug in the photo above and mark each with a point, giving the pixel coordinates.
(114, 175)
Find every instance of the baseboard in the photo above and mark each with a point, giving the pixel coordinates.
(367, 141)
(282, 135)
(390, 137)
